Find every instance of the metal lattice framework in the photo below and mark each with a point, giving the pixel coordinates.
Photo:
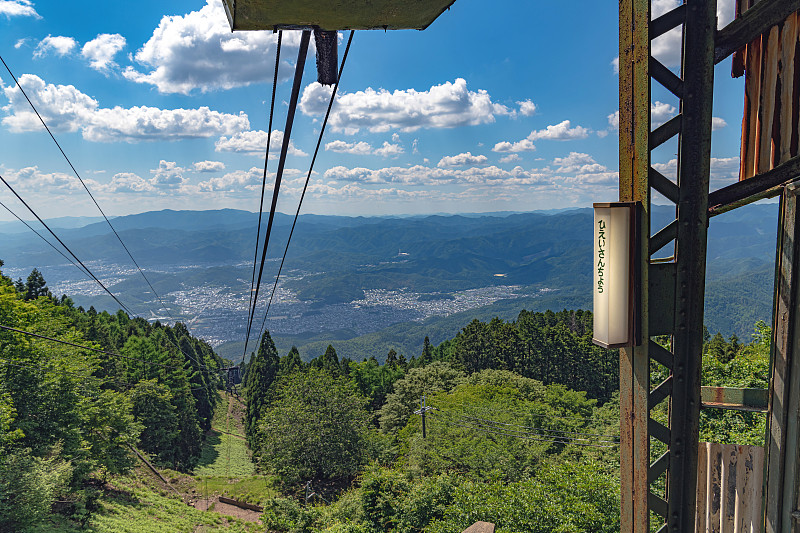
(672, 294)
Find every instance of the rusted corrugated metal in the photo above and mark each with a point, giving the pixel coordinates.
(771, 107)
(729, 488)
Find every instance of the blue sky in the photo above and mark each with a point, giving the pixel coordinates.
(501, 105)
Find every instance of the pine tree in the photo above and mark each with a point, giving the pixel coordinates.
(261, 374)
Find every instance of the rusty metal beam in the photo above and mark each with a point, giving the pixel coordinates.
(661, 392)
(634, 164)
(769, 193)
(667, 21)
(694, 159)
(664, 236)
(753, 22)
(665, 132)
(758, 184)
(755, 400)
(666, 77)
(664, 185)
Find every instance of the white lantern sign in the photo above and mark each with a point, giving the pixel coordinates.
(615, 274)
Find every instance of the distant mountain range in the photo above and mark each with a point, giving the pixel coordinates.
(333, 259)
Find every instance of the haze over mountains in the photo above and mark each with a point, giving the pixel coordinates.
(372, 283)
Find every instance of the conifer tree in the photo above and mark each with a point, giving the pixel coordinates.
(261, 374)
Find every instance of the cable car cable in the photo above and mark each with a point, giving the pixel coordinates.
(308, 176)
(298, 77)
(266, 159)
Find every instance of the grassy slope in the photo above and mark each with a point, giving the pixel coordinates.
(225, 467)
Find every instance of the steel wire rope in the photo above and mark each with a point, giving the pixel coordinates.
(520, 436)
(298, 77)
(308, 176)
(126, 384)
(85, 269)
(266, 159)
(77, 174)
(42, 222)
(97, 350)
(53, 246)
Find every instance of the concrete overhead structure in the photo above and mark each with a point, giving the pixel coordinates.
(334, 14)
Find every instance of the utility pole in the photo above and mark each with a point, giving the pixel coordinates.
(423, 409)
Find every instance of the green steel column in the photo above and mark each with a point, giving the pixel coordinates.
(694, 153)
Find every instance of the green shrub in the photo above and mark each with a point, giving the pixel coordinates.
(28, 486)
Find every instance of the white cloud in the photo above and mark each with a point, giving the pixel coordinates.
(461, 160)
(208, 166)
(127, 182)
(198, 51)
(65, 108)
(389, 150)
(448, 105)
(717, 123)
(20, 43)
(510, 158)
(527, 108)
(342, 147)
(560, 132)
(254, 142)
(168, 175)
(31, 178)
(615, 64)
(557, 132)
(364, 148)
(18, 8)
(101, 50)
(525, 145)
(245, 181)
(58, 45)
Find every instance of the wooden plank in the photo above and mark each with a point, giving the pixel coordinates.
(715, 499)
(752, 88)
(769, 81)
(755, 21)
(785, 310)
(787, 82)
(730, 482)
(701, 523)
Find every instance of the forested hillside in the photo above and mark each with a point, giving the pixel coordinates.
(70, 411)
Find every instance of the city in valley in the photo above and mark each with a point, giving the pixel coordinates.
(217, 313)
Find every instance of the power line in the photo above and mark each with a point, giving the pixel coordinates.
(96, 350)
(308, 176)
(298, 77)
(266, 159)
(85, 269)
(77, 174)
(82, 376)
(53, 246)
(554, 431)
(42, 222)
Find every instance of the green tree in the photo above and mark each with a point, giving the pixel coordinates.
(152, 407)
(404, 398)
(36, 286)
(317, 428)
(261, 374)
